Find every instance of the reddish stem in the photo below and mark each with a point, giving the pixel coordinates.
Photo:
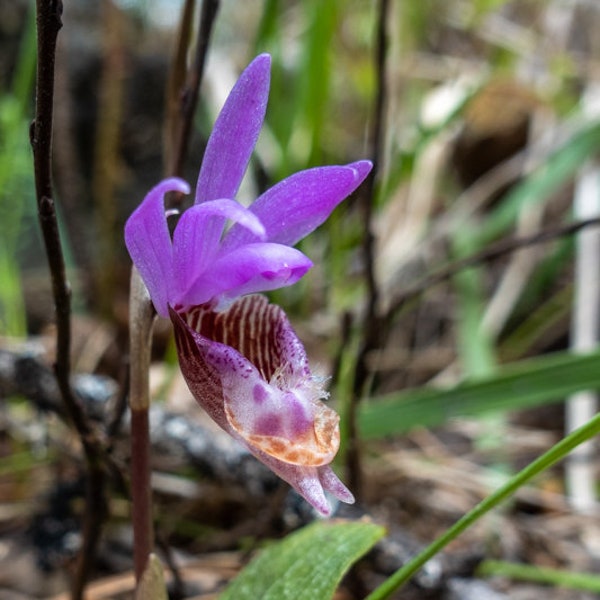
(141, 495)
(141, 320)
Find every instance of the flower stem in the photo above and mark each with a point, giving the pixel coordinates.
(552, 456)
(141, 319)
(141, 498)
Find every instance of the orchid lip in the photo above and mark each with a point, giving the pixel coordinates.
(261, 391)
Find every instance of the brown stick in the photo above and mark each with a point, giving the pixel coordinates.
(175, 85)
(141, 311)
(49, 23)
(189, 93)
(505, 246)
(371, 321)
(106, 165)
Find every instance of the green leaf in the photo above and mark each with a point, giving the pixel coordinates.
(306, 565)
(549, 458)
(520, 385)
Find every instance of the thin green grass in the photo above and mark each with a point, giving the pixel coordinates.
(555, 454)
(587, 582)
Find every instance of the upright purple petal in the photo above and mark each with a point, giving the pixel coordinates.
(196, 239)
(235, 133)
(149, 244)
(251, 268)
(293, 208)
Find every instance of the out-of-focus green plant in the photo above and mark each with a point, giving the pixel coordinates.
(545, 575)
(16, 182)
(524, 384)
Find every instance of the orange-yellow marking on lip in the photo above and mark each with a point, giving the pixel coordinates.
(315, 448)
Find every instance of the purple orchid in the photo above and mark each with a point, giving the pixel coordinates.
(251, 372)
(247, 368)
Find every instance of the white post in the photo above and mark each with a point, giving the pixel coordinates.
(582, 406)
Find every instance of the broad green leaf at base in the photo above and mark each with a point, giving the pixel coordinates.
(306, 565)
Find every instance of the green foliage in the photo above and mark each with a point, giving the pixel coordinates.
(520, 385)
(16, 182)
(548, 459)
(554, 172)
(474, 343)
(306, 565)
(322, 79)
(556, 577)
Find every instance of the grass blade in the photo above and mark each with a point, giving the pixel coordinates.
(524, 384)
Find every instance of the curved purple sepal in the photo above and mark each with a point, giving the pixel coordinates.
(249, 269)
(196, 241)
(149, 244)
(296, 206)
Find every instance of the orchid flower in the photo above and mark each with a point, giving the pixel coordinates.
(250, 371)
(240, 356)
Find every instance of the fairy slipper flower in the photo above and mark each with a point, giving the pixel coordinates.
(249, 371)
(220, 251)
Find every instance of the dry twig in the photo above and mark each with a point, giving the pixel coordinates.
(49, 23)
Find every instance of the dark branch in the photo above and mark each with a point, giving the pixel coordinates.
(371, 320)
(141, 314)
(377, 138)
(49, 23)
(505, 246)
(188, 95)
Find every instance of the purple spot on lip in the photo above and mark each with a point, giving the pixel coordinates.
(297, 414)
(259, 394)
(269, 424)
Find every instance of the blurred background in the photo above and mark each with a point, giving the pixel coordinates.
(453, 305)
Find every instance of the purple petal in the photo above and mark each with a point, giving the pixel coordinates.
(197, 236)
(249, 269)
(310, 488)
(283, 417)
(305, 480)
(297, 205)
(333, 485)
(149, 244)
(235, 133)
